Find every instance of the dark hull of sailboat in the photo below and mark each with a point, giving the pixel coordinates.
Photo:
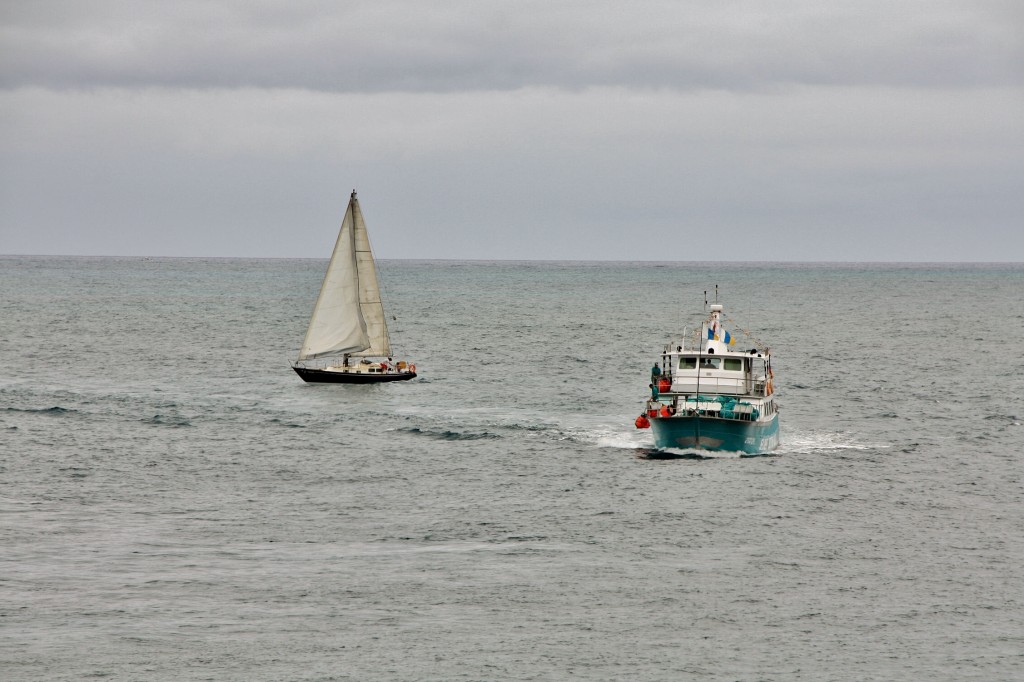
(329, 377)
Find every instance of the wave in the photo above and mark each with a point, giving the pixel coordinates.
(1011, 419)
(165, 420)
(616, 433)
(448, 434)
(607, 433)
(55, 411)
(289, 425)
(796, 442)
(680, 453)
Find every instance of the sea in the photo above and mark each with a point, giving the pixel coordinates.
(177, 504)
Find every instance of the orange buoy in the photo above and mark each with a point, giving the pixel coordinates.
(664, 385)
(665, 412)
(642, 422)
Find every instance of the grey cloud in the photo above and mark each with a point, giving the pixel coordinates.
(394, 46)
(810, 174)
(789, 130)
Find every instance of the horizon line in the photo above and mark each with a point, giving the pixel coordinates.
(524, 260)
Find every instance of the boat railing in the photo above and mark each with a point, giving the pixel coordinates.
(316, 364)
(669, 384)
(356, 366)
(721, 407)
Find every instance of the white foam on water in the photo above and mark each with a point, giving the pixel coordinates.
(606, 431)
(812, 441)
(705, 454)
(627, 440)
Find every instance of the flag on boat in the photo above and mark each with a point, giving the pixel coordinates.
(715, 333)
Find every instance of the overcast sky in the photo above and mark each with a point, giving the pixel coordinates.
(823, 130)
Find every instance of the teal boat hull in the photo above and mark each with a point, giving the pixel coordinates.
(715, 434)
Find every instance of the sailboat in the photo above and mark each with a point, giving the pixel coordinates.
(347, 340)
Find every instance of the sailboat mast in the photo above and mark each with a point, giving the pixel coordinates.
(371, 306)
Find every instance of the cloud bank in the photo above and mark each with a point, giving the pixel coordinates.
(453, 46)
(787, 130)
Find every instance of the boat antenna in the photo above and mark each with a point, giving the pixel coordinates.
(696, 396)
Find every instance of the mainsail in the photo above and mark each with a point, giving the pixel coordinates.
(348, 317)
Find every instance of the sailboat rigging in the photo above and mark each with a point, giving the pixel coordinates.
(347, 340)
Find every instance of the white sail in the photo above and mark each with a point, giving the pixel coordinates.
(348, 316)
(370, 305)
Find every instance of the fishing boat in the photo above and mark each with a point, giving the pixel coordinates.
(706, 395)
(347, 341)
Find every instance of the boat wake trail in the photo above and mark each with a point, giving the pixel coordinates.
(796, 442)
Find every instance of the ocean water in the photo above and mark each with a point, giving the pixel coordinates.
(178, 505)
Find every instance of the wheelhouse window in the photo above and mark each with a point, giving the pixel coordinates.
(734, 364)
(710, 363)
(687, 363)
